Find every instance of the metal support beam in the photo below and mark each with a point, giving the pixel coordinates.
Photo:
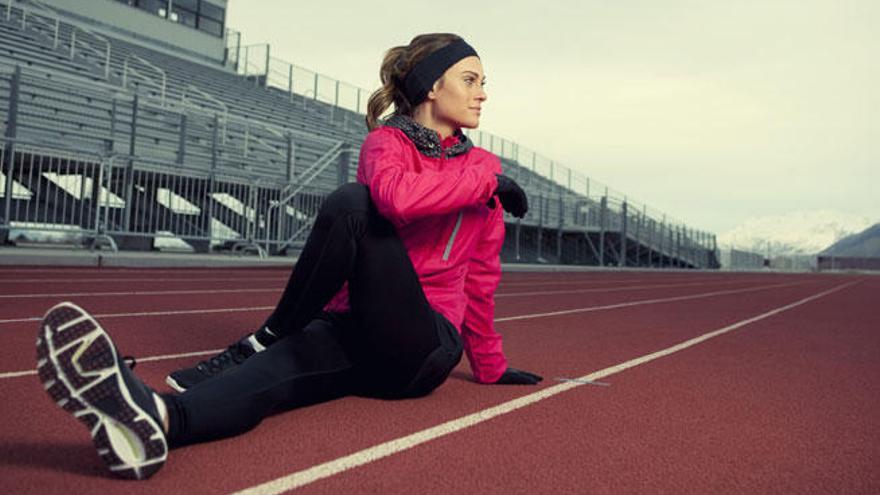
(638, 238)
(181, 144)
(559, 230)
(517, 238)
(215, 142)
(9, 149)
(624, 220)
(290, 82)
(603, 222)
(291, 159)
(540, 233)
(268, 62)
(114, 118)
(315, 95)
(678, 246)
(129, 170)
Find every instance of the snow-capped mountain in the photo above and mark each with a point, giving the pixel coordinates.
(799, 232)
(864, 244)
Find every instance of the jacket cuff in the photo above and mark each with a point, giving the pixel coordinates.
(492, 185)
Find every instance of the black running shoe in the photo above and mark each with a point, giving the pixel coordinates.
(83, 373)
(222, 363)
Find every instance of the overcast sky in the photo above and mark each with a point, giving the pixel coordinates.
(711, 111)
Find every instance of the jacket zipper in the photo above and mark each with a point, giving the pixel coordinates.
(452, 237)
(448, 249)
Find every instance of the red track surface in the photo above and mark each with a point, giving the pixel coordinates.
(787, 403)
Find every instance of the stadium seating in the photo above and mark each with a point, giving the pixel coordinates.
(177, 115)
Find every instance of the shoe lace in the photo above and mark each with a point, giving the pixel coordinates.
(232, 356)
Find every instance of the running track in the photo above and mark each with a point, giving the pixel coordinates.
(654, 382)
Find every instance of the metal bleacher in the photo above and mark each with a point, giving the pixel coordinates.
(182, 148)
(175, 123)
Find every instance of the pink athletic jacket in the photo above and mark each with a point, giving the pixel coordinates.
(436, 196)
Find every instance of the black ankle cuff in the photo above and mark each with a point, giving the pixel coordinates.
(264, 337)
(176, 420)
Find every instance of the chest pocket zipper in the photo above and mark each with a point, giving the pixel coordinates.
(452, 237)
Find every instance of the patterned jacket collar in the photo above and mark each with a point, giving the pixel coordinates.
(428, 140)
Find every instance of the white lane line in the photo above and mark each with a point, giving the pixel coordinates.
(519, 283)
(162, 357)
(610, 289)
(616, 281)
(15, 374)
(12, 374)
(137, 293)
(585, 382)
(642, 302)
(150, 279)
(155, 313)
(195, 278)
(111, 270)
(264, 308)
(371, 454)
(284, 276)
(279, 288)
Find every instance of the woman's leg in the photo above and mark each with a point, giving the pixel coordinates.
(351, 242)
(394, 344)
(303, 369)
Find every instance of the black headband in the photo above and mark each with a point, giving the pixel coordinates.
(422, 76)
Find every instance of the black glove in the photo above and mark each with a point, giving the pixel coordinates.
(513, 198)
(514, 376)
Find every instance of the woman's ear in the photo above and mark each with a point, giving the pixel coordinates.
(432, 95)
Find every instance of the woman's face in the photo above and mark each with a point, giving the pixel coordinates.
(459, 94)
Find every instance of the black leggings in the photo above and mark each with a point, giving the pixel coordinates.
(391, 345)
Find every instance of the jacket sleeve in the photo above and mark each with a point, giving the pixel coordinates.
(402, 194)
(481, 342)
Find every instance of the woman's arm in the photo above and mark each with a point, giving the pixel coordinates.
(481, 342)
(403, 195)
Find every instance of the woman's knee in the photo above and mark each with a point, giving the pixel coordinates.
(347, 199)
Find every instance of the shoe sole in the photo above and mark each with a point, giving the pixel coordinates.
(80, 370)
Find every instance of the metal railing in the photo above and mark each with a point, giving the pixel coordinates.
(565, 199)
(97, 113)
(257, 62)
(552, 208)
(128, 202)
(129, 70)
(231, 43)
(291, 199)
(57, 195)
(42, 18)
(60, 196)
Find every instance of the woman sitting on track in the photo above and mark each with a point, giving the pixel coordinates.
(397, 277)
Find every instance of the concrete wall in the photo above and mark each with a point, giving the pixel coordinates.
(120, 20)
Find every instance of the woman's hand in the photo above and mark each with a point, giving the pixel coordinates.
(513, 376)
(513, 198)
